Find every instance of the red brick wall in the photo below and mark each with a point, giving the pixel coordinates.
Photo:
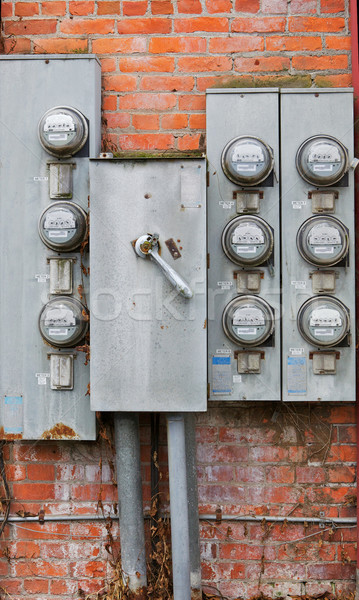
(158, 57)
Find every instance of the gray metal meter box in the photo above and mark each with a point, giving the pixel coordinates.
(318, 251)
(243, 244)
(49, 127)
(148, 285)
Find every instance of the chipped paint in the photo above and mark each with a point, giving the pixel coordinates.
(9, 436)
(60, 432)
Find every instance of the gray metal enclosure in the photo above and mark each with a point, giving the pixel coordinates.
(31, 85)
(148, 342)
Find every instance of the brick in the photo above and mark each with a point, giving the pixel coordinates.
(25, 550)
(223, 454)
(34, 491)
(15, 472)
(162, 7)
(31, 27)
(340, 474)
(236, 44)
(40, 568)
(41, 472)
(190, 142)
(192, 102)
(251, 474)
(332, 6)
(109, 102)
(148, 101)
(250, 6)
(328, 495)
(63, 587)
(342, 453)
(194, 25)
(54, 7)
(38, 452)
(197, 121)
(207, 82)
(119, 83)
(218, 6)
(87, 26)
(305, 551)
(4, 568)
(229, 571)
(173, 83)
(174, 121)
(298, 7)
(81, 7)
(115, 120)
(280, 474)
(94, 492)
(108, 7)
(268, 454)
(274, 6)
(316, 24)
(6, 9)
(146, 122)
(293, 44)
(119, 45)
(338, 42)
(331, 571)
(189, 6)
(347, 434)
(310, 474)
(147, 141)
(258, 25)
(164, 45)
(200, 64)
(236, 551)
(320, 63)
(344, 414)
(26, 9)
(160, 64)
(146, 26)
(108, 65)
(275, 495)
(11, 585)
(265, 63)
(134, 8)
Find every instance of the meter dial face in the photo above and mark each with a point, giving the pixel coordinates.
(323, 321)
(63, 226)
(322, 160)
(323, 241)
(248, 241)
(63, 131)
(248, 321)
(63, 322)
(247, 160)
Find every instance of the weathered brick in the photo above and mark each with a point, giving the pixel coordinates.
(250, 6)
(320, 63)
(236, 44)
(204, 63)
(148, 101)
(338, 42)
(342, 473)
(197, 121)
(15, 472)
(298, 7)
(218, 6)
(26, 9)
(54, 7)
(332, 6)
(114, 120)
(41, 472)
(119, 45)
(25, 550)
(310, 474)
(164, 45)
(274, 6)
(109, 102)
(265, 63)
(282, 474)
(146, 123)
(316, 24)
(6, 9)
(294, 43)
(34, 491)
(144, 26)
(330, 571)
(87, 26)
(174, 121)
(189, 142)
(81, 7)
(189, 6)
(30, 27)
(193, 102)
(258, 25)
(201, 24)
(146, 141)
(162, 7)
(134, 8)
(161, 64)
(163, 83)
(119, 83)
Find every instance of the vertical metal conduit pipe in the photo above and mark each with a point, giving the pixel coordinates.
(132, 537)
(193, 514)
(177, 464)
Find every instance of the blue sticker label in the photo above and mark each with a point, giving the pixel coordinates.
(13, 414)
(297, 375)
(221, 375)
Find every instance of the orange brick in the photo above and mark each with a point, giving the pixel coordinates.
(34, 491)
(108, 65)
(11, 585)
(114, 120)
(298, 7)
(265, 63)
(33, 27)
(320, 63)
(332, 6)
(56, 7)
(218, 6)
(148, 101)
(146, 141)
(119, 83)
(41, 568)
(6, 9)
(161, 64)
(201, 24)
(316, 24)
(26, 9)
(146, 122)
(25, 550)
(15, 472)
(59, 45)
(17, 46)
(174, 121)
(274, 6)
(197, 121)
(189, 6)
(147, 26)
(41, 472)
(200, 64)
(207, 82)
(164, 45)
(87, 26)
(162, 7)
(341, 473)
(189, 142)
(192, 102)
(173, 83)
(108, 7)
(134, 8)
(109, 102)
(293, 44)
(250, 6)
(119, 45)
(236, 44)
(338, 42)
(258, 25)
(81, 7)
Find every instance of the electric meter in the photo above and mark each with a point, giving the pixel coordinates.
(247, 160)
(248, 240)
(63, 226)
(248, 320)
(322, 160)
(63, 322)
(63, 131)
(323, 240)
(323, 321)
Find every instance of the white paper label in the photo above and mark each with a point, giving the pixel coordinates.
(299, 285)
(324, 250)
(226, 203)
(297, 204)
(57, 137)
(296, 351)
(42, 277)
(57, 234)
(246, 167)
(223, 351)
(40, 178)
(41, 378)
(246, 249)
(322, 331)
(247, 330)
(58, 331)
(325, 168)
(225, 285)
(237, 378)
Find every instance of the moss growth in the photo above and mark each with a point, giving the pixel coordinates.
(281, 81)
(322, 82)
(146, 155)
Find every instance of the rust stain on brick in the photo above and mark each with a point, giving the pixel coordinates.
(60, 432)
(9, 436)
